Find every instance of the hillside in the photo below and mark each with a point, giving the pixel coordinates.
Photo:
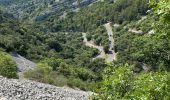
(118, 49)
(32, 10)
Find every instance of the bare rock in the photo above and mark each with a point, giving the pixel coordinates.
(14, 89)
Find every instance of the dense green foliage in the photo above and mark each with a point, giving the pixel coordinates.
(56, 72)
(36, 45)
(32, 43)
(8, 67)
(89, 18)
(92, 18)
(141, 70)
(125, 82)
(150, 49)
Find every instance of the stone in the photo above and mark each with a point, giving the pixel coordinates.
(17, 89)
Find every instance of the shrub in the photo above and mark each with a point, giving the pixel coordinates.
(116, 83)
(41, 73)
(64, 75)
(83, 85)
(152, 86)
(8, 67)
(123, 84)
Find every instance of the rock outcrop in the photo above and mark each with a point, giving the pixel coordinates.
(23, 64)
(14, 89)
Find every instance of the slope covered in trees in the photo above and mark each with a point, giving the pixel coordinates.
(74, 58)
(91, 17)
(35, 10)
(125, 82)
(141, 34)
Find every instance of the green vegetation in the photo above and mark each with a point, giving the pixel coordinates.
(8, 67)
(126, 82)
(91, 19)
(123, 83)
(56, 72)
(150, 49)
(141, 70)
(66, 48)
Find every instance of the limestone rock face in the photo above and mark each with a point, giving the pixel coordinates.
(14, 89)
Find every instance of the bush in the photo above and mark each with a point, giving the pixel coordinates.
(116, 83)
(8, 67)
(123, 84)
(41, 73)
(63, 75)
(83, 85)
(85, 74)
(152, 86)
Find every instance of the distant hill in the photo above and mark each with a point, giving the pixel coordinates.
(6, 2)
(41, 9)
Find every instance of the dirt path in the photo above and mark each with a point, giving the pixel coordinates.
(134, 30)
(90, 44)
(111, 56)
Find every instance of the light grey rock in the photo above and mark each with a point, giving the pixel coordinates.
(14, 89)
(23, 64)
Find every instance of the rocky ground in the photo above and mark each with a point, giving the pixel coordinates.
(23, 64)
(14, 89)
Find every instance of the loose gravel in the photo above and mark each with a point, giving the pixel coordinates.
(15, 89)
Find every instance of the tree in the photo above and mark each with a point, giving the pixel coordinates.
(117, 83)
(152, 86)
(123, 83)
